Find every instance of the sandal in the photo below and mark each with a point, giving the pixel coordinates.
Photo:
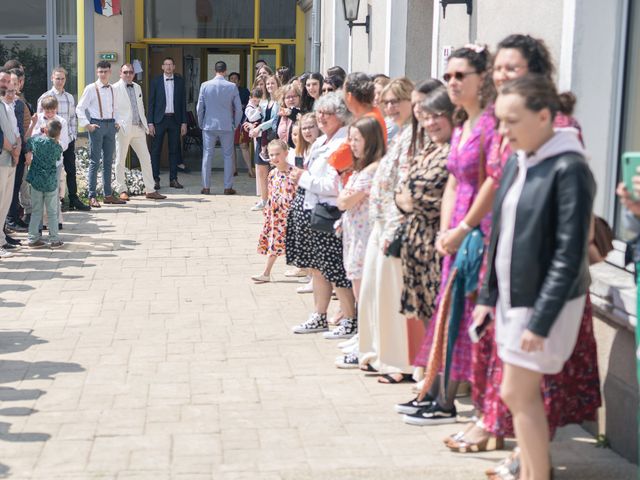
(389, 379)
(487, 444)
(456, 437)
(368, 368)
(508, 469)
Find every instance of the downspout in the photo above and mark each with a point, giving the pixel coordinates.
(316, 21)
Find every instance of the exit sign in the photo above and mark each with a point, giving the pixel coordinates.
(109, 56)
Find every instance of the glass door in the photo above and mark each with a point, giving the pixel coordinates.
(269, 53)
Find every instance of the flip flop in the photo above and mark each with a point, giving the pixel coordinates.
(406, 377)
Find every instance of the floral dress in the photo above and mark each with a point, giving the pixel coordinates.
(355, 225)
(426, 180)
(274, 231)
(571, 396)
(463, 163)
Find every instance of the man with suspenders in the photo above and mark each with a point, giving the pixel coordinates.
(96, 112)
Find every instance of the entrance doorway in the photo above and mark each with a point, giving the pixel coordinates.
(195, 63)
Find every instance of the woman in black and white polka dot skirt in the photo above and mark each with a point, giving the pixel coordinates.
(321, 251)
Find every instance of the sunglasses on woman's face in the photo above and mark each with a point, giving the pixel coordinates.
(459, 76)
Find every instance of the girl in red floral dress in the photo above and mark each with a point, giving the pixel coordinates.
(281, 191)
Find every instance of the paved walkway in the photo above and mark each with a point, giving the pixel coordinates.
(143, 351)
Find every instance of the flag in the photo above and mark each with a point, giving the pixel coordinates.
(107, 7)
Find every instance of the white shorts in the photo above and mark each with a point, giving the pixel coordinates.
(558, 346)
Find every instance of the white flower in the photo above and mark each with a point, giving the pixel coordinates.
(133, 178)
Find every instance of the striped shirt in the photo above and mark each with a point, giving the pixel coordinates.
(66, 109)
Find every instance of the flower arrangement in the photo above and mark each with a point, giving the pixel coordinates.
(133, 178)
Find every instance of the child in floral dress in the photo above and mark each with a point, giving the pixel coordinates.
(367, 146)
(280, 195)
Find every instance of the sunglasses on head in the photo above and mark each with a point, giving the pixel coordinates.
(459, 76)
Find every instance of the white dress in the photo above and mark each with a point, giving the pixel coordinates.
(511, 322)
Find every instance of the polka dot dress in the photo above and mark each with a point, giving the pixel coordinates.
(306, 248)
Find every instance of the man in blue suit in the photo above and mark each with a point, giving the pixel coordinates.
(167, 114)
(219, 113)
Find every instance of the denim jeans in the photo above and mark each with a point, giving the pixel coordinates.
(40, 201)
(102, 142)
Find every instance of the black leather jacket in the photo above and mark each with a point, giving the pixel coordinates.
(549, 262)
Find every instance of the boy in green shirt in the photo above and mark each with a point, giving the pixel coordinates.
(43, 154)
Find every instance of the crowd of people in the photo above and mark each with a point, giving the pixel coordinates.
(451, 218)
(453, 222)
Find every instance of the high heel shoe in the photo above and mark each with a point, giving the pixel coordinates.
(456, 437)
(484, 445)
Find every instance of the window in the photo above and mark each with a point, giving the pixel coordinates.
(278, 19)
(25, 17)
(41, 34)
(66, 17)
(630, 139)
(199, 18)
(33, 55)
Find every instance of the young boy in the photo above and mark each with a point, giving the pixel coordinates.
(43, 155)
(49, 105)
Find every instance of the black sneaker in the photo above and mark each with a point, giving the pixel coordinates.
(347, 328)
(20, 223)
(76, 204)
(16, 227)
(12, 241)
(317, 322)
(347, 361)
(8, 246)
(432, 415)
(414, 405)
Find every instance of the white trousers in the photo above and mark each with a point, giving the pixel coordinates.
(381, 327)
(7, 176)
(135, 137)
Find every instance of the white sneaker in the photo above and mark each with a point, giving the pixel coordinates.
(262, 278)
(4, 253)
(258, 206)
(351, 348)
(308, 288)
(298, 272)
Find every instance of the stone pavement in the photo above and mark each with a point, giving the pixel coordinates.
(142, 350)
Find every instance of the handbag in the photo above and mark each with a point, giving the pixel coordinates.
(323, 217)
(602, 236)
(395, 246)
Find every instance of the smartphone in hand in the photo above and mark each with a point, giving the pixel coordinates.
(477, 331)
(299, 162)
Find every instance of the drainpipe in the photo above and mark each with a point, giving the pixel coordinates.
(316, 21)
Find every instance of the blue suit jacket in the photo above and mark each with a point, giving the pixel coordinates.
(219, 107)
(158, 100)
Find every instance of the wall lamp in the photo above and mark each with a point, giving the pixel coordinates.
(351, 8)
(445, 3)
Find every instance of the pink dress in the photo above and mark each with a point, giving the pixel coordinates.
(464, 164)
(571, 396)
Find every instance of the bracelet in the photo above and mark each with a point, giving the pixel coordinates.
(465, 226)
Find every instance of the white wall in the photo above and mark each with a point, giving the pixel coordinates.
(596, 81)
(108, 38)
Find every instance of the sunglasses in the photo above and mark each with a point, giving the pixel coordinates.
(459, 76)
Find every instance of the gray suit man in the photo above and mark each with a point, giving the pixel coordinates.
(219, 113)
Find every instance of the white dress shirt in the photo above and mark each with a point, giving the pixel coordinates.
(89, 103)
(168, 93)
(66, 109)
(12, 116)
